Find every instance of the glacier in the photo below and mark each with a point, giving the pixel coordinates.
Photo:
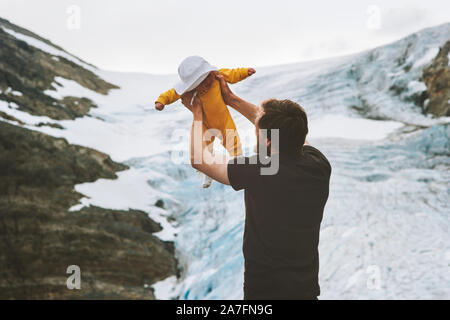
(385, 232)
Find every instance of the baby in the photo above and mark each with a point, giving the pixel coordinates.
(197, 78)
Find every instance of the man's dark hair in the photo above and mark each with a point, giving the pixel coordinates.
(290, 118)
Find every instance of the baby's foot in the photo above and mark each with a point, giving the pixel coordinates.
(206, 181)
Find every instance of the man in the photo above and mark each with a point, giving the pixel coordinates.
(283, 210)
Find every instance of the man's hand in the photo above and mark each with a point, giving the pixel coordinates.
(251, 71)
(159, 106)
(227, 95)
(247, 109)
(186, 99)
(196, 107)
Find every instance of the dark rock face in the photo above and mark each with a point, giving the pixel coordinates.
(436, 77)
(117, 253)
(31, 71)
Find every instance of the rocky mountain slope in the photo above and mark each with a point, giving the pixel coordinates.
(27, 76)
(116, 250)
(437, 79)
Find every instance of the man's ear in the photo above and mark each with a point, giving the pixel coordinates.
(268, 147)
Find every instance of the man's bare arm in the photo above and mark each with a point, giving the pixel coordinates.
(214, 166)
(247, 109)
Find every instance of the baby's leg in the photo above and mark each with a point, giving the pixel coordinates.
(210, 142)
(206, 179)
(231, 140)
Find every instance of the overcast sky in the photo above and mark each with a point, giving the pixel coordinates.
(153, 36)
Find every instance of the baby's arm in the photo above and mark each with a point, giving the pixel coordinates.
(165, 98)
(236, 75)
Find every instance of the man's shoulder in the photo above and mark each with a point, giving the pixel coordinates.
(310, 149)
(317, 155)
(244, 171)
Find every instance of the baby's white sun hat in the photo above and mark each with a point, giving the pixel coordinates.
(192, 71)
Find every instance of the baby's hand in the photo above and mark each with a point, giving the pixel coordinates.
(159, 106)
(251, 71)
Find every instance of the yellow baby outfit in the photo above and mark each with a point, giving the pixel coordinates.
(216, 114)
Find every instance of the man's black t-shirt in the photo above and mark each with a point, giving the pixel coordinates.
(282, 223)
